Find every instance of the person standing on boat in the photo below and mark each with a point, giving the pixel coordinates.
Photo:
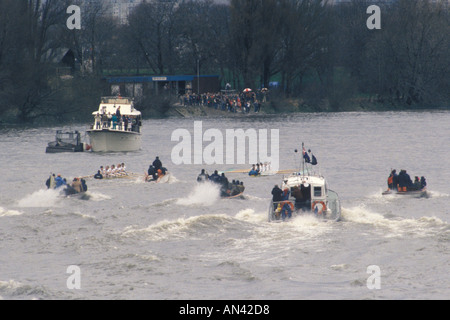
(203, 176)
(286, 209)
(286, 194)
(277, 196)
(114, 120)
(125, 122)
(215, 177)
(224, 181)
(50, 183)
(404, 181)
(409, 183)
(393, 180)
(104, 120)
(157, 164)
(98, 121)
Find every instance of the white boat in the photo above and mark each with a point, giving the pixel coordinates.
(422, 193)
(305, 192)
(111, 134)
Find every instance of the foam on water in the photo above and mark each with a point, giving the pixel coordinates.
(250, 215)
(41, 199)
(14, 288)
(204, 194)
(97, 196)
(9, 213)
(394, 226)
(193, 228)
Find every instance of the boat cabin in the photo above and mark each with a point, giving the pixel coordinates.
(105, 117)
(305, 193)
(109, 105)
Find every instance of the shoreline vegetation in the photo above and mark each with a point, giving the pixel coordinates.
(164, 108)
(312, 55)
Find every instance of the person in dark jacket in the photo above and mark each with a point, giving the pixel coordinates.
(277, 196)
(409, 183)
(98, 175)
(417, 185)
(152, 173)
(215, 177)
(423, 182)
(393, 180)
(404, 181)
(157, 164)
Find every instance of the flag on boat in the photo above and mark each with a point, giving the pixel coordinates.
(311, 160)
(306, 156)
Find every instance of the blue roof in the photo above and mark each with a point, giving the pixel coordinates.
(140, 79)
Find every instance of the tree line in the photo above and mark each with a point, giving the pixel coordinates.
(313, 50)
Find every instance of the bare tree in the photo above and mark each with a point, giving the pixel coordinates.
(149, 26)
(304, 30)
(28, 29)
(408, 61)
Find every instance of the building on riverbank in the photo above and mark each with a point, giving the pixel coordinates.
(135, 86)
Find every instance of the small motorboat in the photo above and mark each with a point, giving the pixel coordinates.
(411, 193)
(305, 192)
(65, 142)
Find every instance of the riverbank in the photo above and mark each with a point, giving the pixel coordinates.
(281, 106)
(162, 108)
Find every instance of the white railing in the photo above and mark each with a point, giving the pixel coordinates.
(115, 126)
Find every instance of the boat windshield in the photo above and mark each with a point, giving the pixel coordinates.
(68, 137)
(116, 100)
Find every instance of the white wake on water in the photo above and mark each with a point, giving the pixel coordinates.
(9, 213)
(41, 199)
(394, 226)
(204, 194)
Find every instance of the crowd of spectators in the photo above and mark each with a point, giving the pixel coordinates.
(227, 100)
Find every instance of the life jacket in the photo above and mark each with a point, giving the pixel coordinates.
(391, 180)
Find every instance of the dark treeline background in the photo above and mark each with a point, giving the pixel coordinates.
(323, 56)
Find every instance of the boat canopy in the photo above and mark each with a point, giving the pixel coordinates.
(111, 104)
(296, 180)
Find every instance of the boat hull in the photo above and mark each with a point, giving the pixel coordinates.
(114, 141)
(62, 149)
(327, 209)
(413, 194)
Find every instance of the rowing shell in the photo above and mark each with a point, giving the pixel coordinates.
(266, 173)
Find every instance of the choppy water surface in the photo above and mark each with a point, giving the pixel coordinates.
(135, 240)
